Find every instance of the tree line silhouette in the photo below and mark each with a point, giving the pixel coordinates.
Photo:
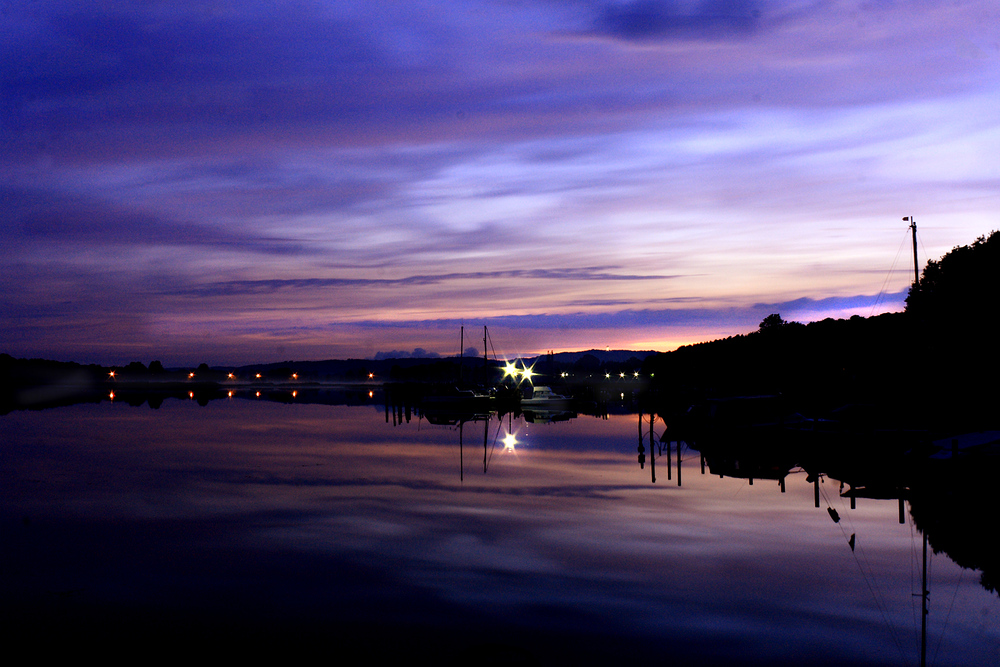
(931, 366)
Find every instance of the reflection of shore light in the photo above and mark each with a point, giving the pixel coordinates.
(294, 394)
(111, 396)
(509, 441)
(190, 394)
(230, 394)
(258, 394)
(371, 394)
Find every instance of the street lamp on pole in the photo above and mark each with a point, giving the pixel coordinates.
(913, 230)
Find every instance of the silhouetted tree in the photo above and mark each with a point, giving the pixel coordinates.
(136, 368)
(961, 287)
(588, 363)
(772, 322)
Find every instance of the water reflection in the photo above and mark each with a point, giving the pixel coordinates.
(337, 524)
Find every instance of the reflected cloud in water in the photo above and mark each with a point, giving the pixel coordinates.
(290, 515)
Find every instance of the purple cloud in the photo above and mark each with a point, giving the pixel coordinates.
(259, 178)
(657, 19)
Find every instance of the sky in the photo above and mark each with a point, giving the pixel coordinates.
(237, 182)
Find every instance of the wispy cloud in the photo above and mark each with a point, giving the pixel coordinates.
(510, 278)
(81, 224)
(261, 179)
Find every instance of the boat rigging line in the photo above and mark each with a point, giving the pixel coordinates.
(860, 556)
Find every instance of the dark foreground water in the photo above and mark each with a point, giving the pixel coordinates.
(259, 529)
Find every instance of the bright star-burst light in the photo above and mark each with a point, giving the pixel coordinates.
(527, 373)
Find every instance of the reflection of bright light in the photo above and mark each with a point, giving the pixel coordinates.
(371, 394)
(190, 394)
(258, 394)
(294, 394)
(509, 441)
(230, 394)
(111, 396)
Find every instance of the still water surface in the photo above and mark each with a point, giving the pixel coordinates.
(274, 525)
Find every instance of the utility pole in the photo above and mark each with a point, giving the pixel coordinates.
(923, 615)
(913, 230)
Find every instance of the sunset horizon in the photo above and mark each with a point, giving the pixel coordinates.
(325, 180)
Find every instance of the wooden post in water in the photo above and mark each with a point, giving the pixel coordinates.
(652, 453)
(670, 463)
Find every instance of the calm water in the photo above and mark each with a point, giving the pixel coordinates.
(268, 527)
